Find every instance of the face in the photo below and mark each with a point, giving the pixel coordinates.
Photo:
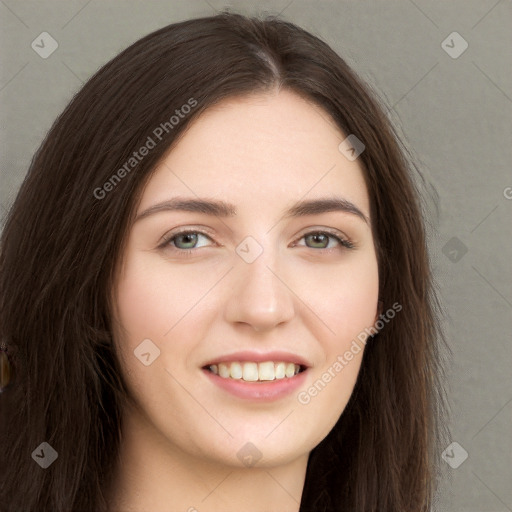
(217, 322)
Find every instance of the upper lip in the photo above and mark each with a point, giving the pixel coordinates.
(260, 357)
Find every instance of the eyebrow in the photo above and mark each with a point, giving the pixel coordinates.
(223, 209)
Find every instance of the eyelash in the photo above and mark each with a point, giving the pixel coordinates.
(345, 244)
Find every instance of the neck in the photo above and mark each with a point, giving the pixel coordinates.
(154, 475)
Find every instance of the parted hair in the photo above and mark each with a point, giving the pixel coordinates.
(61, 243)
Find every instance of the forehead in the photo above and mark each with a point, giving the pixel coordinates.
(259, 151)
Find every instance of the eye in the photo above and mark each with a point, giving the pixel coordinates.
(187, 238)
(322, 237)
(185, 241)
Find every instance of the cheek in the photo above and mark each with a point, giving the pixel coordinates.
(356, 302)
(150, 299)
(147, 308)
(347, 310)
(144, 311)
(345, 300)
(158, 304)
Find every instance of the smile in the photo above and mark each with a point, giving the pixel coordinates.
(250, 371)
(256, 376)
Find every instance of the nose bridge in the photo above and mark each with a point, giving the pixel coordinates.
(260, 296)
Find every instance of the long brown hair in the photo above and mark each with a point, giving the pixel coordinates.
(62, 240)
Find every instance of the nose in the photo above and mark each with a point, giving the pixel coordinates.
(260, 295)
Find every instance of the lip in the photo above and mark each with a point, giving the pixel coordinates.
(265, 391)
(260, 357)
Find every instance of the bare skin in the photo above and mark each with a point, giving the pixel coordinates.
(185, 437)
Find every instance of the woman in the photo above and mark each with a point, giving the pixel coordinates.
(216, 292)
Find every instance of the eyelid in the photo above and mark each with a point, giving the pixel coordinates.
(344, 240)
(182, 231)
(320, 229)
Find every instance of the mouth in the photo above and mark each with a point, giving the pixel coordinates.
(252, 371)
(258, 377)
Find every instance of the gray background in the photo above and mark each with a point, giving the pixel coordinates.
(454, 114)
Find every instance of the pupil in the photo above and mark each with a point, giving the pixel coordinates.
(188, 236)
(319, 235)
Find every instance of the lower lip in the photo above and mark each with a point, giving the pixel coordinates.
(265, 391)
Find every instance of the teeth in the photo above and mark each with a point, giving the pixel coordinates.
(252, 372)
(266, 371)
(290, 370)
(223, 370)
(280, 371)
(236, 371)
